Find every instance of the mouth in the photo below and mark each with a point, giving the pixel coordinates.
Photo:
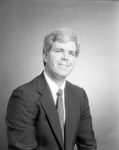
(62, 64)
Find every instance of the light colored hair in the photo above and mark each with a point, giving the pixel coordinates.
(60, 35)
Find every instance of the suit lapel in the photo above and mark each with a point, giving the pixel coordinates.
(49, 107)
(71, 104)
(71, 116)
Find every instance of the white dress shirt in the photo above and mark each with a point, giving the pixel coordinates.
(54, 89)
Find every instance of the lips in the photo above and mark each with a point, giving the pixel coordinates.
(64, 64)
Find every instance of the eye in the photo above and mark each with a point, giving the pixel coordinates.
(72, 53)
(58, 50)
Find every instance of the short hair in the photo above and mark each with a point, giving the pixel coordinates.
(61, 35)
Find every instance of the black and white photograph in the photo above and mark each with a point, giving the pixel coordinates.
(59, 74)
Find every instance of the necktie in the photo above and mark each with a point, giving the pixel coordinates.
(60, 110)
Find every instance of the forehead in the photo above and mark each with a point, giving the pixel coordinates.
(71, 45)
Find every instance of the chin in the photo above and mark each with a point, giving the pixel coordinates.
(62, 75)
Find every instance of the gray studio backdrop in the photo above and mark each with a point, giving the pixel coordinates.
(23, 25)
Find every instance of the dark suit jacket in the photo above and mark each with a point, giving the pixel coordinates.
(32, 119)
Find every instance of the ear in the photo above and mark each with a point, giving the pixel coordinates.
(45, 57)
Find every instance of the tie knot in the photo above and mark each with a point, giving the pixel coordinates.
(59, 93)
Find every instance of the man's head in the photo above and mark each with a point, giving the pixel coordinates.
(61, 35)
(60, 51)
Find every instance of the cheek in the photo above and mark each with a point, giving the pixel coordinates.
(73, 60)
(53, 63)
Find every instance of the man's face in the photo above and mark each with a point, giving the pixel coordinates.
(60, 60)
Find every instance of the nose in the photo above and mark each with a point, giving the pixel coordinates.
(64, 56)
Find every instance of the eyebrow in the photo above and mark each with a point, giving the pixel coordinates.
(64, 49)
(72, 51)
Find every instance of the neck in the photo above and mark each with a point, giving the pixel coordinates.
(59, 82)
(56, 79)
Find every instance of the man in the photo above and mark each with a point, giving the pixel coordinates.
(37, 117)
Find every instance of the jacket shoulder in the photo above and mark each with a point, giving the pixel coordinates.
(29, 88)
(76, 90)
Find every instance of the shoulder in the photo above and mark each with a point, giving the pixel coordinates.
(28, 89)
(25, 97)
(28, 85)
(76, 90)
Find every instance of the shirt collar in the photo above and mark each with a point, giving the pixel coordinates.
(52, 85)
